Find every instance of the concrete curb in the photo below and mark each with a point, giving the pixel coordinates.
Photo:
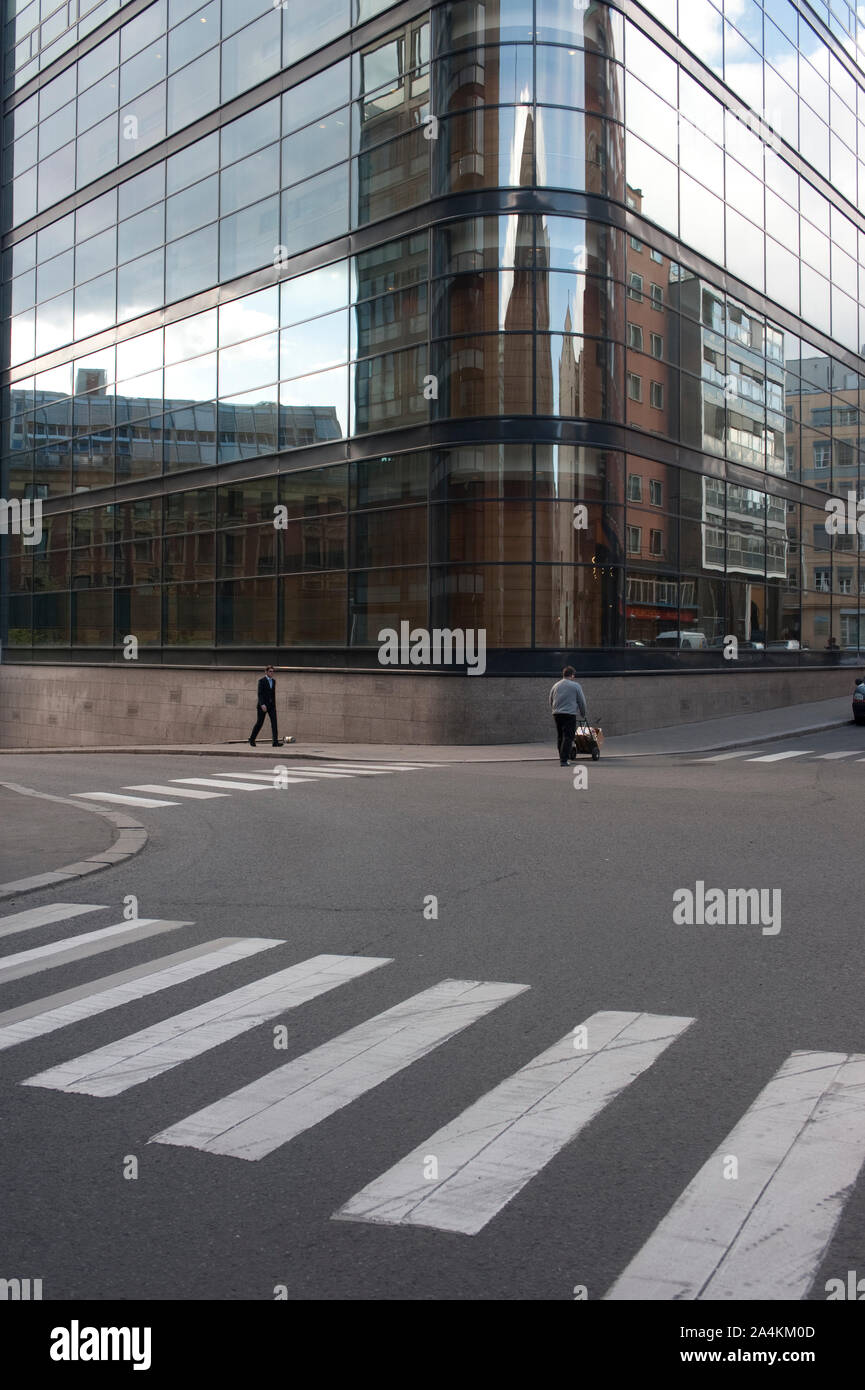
(290, 751)
(229, 750)
(131, 839)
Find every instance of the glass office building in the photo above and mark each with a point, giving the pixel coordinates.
(544, 317)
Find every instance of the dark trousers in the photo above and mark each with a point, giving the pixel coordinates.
(271, 713)
(566, 727)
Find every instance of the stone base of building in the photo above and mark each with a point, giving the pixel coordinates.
(85, 706)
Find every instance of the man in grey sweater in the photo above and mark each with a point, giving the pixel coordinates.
(566, 697)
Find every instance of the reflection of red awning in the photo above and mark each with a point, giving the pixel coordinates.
(667, 614)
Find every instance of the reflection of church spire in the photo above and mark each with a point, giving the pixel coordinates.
(516, 303)
(569, 378)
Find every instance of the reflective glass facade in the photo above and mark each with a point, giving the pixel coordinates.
(537, 318)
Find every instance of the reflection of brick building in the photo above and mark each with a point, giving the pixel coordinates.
(649, 383)
(653, 598)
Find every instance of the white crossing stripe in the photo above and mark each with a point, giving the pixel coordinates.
(215, 782)
(123, 800)
(488, 1154)
(347, 770)
(261, 1117)
(180, 791)
(115, 1068)
(42, 916)
(366, 769)
(763, 1236)
(833, 757)
(724, 757)
(779, 757)
(285, 778)
(308, 775)
(378, 767)
(43, 1016)
(87, 944)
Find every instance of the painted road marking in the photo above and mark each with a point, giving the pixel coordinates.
(493, 1149)
(724, 757)
(76, 947)
(308, 775)
(799, 1148)
(216, 782)
(186, 792)
(262, 1117)
(43, 1016)
(122, 799)
(779, 757)
(42, 916)
(109, 1070)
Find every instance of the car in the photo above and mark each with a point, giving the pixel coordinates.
(859, 703)
(788, 645)
(684, 640)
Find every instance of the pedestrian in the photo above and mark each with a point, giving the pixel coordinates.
(566, 697)
(266, 706)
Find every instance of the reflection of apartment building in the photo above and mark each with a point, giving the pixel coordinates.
(393, 87)
(826, 435)
(732, 382)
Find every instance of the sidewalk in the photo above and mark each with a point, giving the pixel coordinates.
(708, 736)
(39, 835)
(48, 840)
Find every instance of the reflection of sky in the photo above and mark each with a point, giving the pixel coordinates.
(703, 221)
(522, 117)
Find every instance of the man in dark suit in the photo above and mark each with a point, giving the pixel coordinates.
(266, 706)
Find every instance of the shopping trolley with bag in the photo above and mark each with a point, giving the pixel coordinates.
(587, 739)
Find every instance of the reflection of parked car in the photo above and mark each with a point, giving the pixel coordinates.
(686, 641)
(791, 645)
(634, 643)
(745, 645)
(859, 703)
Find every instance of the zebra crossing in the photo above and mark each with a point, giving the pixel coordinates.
(218, 785)
(784, 755)
(799, 1147)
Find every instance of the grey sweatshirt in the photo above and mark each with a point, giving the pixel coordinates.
(566, 696)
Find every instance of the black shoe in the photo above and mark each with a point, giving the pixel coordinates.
(561, 764)
(250, 742)
(276, 745)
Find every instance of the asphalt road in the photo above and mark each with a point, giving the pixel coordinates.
(565, 890)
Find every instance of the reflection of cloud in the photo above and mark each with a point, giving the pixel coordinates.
(57, 379)
(190, 337)
(141, 387)
(701, 30)
(325, 389)
(87, 324)
(22, 340)
(306, 296)
(249, 317)
(192, 380)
